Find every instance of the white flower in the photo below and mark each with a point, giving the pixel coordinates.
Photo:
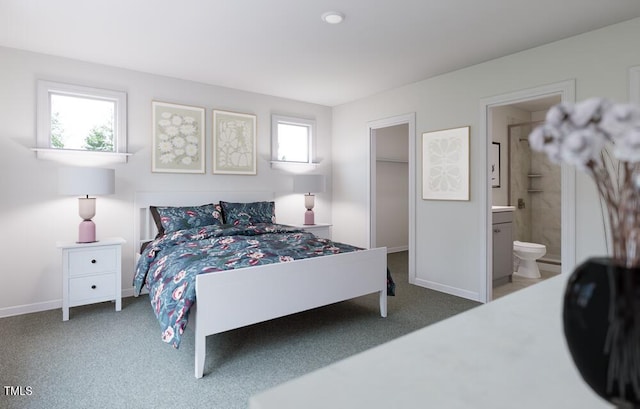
(166, 115)
(582, 147)
(538, 138)
(588, 111)
(192, 139)
(163, 136)
(165, 146)
(178, 142)
(189, 119)
(187, 129)
(186, 160)
(627, 145)
(179, 152)
(191, 150)
(167, 158)
(619, 118)
(554, 152)
(176, 120)
(548, 139)
(557, 114)
(172, 130)
(164, 122)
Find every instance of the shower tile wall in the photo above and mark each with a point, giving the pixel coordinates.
(545, 206)
(520, 161)
(535, 181)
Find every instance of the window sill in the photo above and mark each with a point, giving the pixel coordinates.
(293, 166)
(81, 157)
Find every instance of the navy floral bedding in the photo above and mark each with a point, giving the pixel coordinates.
(168, 265)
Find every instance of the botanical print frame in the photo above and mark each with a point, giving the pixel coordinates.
(495, 164)
(234, 143)
(178, 138)
(445, 164)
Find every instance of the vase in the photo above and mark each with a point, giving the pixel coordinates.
(601, 318)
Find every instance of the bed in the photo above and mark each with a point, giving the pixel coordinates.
(235, 298)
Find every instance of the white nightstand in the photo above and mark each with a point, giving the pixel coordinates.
(320, 229)
(91, 273)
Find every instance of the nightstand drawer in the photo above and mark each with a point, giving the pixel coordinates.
(100, 286)
(92, 261)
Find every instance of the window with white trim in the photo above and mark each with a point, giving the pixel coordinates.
(292, 139)
(81, 119)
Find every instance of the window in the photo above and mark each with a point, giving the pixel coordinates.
(74, 118)
(292, 139)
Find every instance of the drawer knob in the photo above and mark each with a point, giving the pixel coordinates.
(93, 287)
(93, 261)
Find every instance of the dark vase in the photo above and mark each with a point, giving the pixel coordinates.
(601, 318)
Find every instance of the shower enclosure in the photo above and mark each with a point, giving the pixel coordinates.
(534, 190)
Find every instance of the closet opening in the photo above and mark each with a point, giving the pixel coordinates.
(392, 190)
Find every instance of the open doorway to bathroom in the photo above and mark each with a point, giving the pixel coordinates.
(530, 185)
(566, 90)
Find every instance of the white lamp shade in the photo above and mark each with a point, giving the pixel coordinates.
(309, 184)
(86, 181)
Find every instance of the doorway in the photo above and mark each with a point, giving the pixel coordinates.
(535, 99)
(530, 185)
(392, 186)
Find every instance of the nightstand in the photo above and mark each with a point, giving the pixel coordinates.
(91, 273)
(322, 230)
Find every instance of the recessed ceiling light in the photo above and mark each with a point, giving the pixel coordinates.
(333, 17)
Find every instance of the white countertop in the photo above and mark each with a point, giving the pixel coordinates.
(509, 353)
(503, 208)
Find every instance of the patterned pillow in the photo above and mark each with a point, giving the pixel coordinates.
(248, 213)
(170, 219)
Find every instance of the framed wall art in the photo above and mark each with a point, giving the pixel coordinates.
(495, 164)
(234, 143)
(445, 164)
(178, 138)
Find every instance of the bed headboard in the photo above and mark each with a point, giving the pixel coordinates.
(144, 226)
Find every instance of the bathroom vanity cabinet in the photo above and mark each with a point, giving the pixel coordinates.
(502, 247)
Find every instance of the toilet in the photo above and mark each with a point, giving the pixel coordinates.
(527, 254)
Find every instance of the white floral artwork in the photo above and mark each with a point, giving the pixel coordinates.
(445, 167)
(178, 138)
(234, 143)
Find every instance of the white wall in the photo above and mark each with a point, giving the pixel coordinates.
(500, 117)
(34, 217)
(450, 252)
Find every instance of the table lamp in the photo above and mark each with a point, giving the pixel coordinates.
(309, 184)
(86, 181)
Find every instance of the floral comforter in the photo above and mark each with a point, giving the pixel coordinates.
(168, 265)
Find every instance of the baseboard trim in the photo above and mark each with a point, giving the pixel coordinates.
(45, 306)
(30, 308)
(469, 295)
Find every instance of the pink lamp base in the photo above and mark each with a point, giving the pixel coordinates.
(309, 217)
(87, 232)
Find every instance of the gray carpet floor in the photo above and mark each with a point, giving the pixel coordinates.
(106, 359)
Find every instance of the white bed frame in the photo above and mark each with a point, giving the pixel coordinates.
(261, 293)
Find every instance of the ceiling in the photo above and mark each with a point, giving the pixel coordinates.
(282, 48)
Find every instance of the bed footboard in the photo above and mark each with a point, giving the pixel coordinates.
(266, 292)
